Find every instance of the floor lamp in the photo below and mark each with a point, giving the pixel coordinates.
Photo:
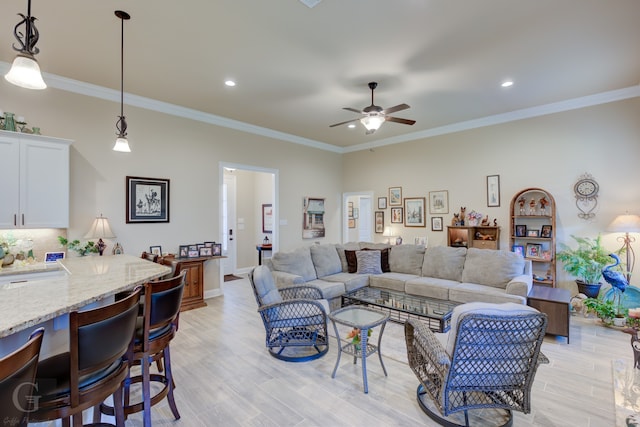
(626, 224)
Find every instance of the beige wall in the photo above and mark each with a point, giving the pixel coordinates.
(550, 152)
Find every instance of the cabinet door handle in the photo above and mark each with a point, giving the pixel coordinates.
(15, 220)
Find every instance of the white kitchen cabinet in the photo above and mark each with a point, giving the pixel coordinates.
(34, 190)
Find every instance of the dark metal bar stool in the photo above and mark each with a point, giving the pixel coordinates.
(17, 376)
(94, 368)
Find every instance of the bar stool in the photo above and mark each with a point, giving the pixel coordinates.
(94, 368)
(156, 328)
(17, 376)
(149, 256)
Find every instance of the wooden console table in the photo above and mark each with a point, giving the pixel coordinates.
(554, 302)
(193, 296)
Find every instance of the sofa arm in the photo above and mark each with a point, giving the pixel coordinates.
(284, 279)
(520, 285)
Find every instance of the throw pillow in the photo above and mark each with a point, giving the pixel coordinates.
(368, 262)
(352, 262)
(384, 258)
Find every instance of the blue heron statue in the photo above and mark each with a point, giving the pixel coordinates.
(616, 279)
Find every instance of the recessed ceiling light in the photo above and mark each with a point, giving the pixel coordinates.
(507, 83)
(230, 83)
(351, 126)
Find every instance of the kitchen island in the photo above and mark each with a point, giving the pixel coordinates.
(83, 281)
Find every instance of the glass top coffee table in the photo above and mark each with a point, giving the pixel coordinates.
(400, 306)
(361, 318)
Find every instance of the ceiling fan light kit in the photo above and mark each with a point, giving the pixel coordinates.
(25, 71)
(374, 115)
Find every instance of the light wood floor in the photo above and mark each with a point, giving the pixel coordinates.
(225, 377)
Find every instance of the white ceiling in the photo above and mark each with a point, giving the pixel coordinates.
(296, 67)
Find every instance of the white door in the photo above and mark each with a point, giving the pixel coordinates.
(229, 248)
(365, 223)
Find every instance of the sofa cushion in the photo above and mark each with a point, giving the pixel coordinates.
(351, 281)
(470, 292)
(351, 246)
(295, 262)
(325, 259)
(329, 289)
(430, 287)
(491, 267)
(392, 281)
(481, 308)
(368, 262)
(406, 259)
(444, 262)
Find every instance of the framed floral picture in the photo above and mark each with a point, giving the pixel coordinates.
(414, 214)
(439, 202)
(395, 196)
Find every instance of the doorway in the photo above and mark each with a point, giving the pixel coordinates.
(357, 214)
(244, 190)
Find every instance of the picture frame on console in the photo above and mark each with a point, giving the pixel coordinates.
(183, 251)
(206, 251)
(216, 249)
(155, 250)
(147, 199)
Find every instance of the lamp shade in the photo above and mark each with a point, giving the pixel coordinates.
(626, 223)
(100, 229)
(25, 72)
(388, 232)
(122, 145)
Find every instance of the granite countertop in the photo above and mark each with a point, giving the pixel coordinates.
(83, 281)
(36, 267)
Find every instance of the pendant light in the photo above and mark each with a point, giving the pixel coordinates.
(121, 143)
(25, 71)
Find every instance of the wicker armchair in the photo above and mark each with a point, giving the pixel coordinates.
(487, 360)
(294, 318)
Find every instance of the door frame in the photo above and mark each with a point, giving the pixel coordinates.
(345, 211)
(276, 201)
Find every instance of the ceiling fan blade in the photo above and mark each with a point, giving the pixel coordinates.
(399, 107)
(352, 109)
(398, 120)
(344, 123)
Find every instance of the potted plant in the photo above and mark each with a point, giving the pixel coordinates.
(75, 245)
(605, 310)
(585, 263)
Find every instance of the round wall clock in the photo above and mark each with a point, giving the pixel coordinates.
(586, 191)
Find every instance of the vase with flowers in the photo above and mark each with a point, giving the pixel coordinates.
(474, 218)
(354, 336)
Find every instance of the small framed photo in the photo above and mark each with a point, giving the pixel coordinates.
(519, 249)
(200, 245)
(193, 247)
(267, 218)
(521, 230)
(206, 251)
(414, 213)
(352, 223)
(395, 196)
(156, 250)
(382, 203)
(356, 213)
(209, 244)
(436, 223)
(216, 249)
(533, 233)
(379, 222)
(396, 216)
(439, 202)
(493, 190)
(546, 231)
(183, 251)
(193, 253)
(350, 209)
(533, 250)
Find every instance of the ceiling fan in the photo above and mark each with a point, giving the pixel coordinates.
(374, 116)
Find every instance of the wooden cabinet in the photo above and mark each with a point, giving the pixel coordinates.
(35, 171)
(554, 302)
(533, 232)
(193, 295)
(481, 237)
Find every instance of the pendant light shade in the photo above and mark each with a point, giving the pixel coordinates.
(25, 71)
(372, 123)
(122, 144)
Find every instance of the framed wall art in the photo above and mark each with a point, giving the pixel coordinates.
(147, 199)
(312, 217)
(521, 230)
(183, 252)
(395, 196)
(155, 250)
(379, 222)
(267, 218)
(382, 203)
(436, 223)
(493, 190)
(206, 251)
(439, 202)
(396, 216)
(414, 214)
(352, 223)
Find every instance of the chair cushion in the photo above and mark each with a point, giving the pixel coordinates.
(462, 310)
(295, 262)
(265, 285)
(368, 262)
(53, 375)
(325, 259)
(491, 268)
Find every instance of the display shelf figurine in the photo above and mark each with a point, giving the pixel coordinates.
(532, 206)
(521, 202)
(543, 205)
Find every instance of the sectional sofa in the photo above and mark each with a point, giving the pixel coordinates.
(442, 272)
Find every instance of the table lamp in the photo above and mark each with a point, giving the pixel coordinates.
(626, 224)
(388, 233)
(100, 229)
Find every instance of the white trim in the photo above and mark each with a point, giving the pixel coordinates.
(88, 89)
